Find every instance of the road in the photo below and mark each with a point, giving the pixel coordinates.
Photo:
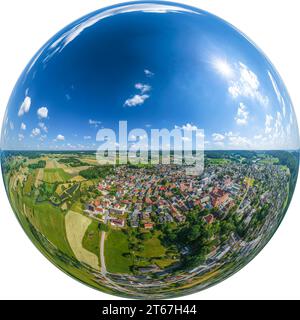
(102, 258)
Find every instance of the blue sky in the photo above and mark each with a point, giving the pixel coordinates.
(156, 66)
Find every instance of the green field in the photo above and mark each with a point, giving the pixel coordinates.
(77, 207)
(269, 160)
(50, 221)
(163, 263)
(153, 248)
(91, 240)
(78, 273)
(30, 182)
(115, 245)
(218, 161)
(76, 227)
(56, 175)
(155, 252)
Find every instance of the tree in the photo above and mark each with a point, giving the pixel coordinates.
(103, 227)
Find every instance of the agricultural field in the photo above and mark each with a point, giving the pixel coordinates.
(116, 245)
(74, 171)
(77, 179)
(91, 239)
(51, 164)
(76, 228)
(218, 161)
(50, 221)
(39, 177)
(30, 182)
(56, 175)
(270, 161)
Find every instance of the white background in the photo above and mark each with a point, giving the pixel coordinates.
(26, 25)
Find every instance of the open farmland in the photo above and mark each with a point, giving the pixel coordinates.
(50, 164)
(74, 171)
(50, 221)
(31, 179)
(76, 227)
(39, 177)
(56, 175)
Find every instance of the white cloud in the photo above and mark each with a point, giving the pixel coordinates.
(142, 87)
(268, 123)
(35, 132)
(136, 100)
(71, 146)
(25, 106)
(140, 98)
(43, 138)
(60, 138)
(242, 115)
(23, 126)
(148, 73)
(247, 85)
(230, 134)
(239, 142)
(200, 134)
(218, 137)
(278, 127)
(11, 125)
(42, 112)
(21, 137)
(277, 135)
(278, 94)
(87, 137)
(189, 127)
(43, 126)
(258, 137)
(94, 123)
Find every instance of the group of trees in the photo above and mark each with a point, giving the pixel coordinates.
(73, 162)
(46, 191)
(199, 236)
(103, 227)
(96, 172)
(291, 160)
(39, 165)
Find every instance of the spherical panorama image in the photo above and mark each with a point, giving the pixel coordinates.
(150, 150)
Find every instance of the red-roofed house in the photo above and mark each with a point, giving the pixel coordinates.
(209, 218)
